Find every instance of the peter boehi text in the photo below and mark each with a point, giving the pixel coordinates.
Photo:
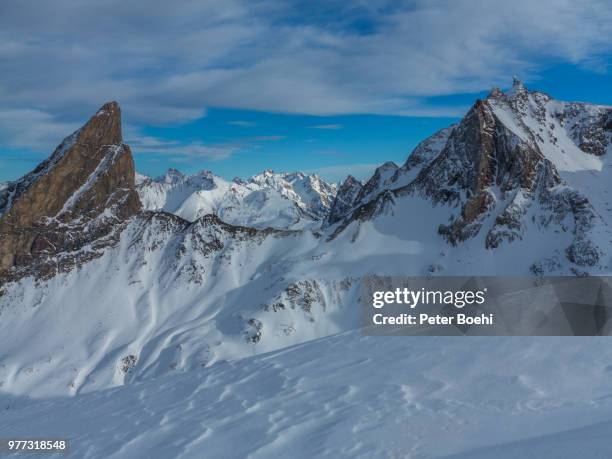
(413, 298)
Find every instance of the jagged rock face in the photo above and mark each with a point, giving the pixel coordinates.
(516, 165)
(482, 157)
(207, 290)
(73, 198)
(594, 137)
(345, 199)
(481, 153)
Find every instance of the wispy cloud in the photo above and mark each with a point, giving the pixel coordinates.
(32, 129)
(167, 65)
(327, 126)
(176, 149)
(266, 138)
(243, 123)
(186, 151)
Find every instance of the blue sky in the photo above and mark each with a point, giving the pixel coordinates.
(330, 146)
(239, 86)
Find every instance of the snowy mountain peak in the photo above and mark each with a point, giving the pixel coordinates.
(378, 182)
(172, 176)
(279, 200)
(264, 175)
(518, 166)
(389, 165)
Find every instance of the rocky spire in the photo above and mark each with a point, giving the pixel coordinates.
(345, 199)
(481, 155)
(87, 182)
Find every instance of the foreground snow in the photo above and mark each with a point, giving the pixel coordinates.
(351, 396)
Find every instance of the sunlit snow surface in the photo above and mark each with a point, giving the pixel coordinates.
(287, 200)
(349, 396)
(182, 312)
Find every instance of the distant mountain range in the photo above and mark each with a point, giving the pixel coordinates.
(286, 201)
(138, 277)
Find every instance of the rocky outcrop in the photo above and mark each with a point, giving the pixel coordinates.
(483, 162)
(76, 198)
(382, 204)
(345, 199)
(590, 129)
(499, 168)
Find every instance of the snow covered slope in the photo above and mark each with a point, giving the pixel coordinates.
(287, 201)
(349, 396)
(168, 294)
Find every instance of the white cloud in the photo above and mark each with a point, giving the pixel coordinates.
(184, 151)
(243, 123)
(327, 126)
(178, 150)
(168, 64)
(32, 129)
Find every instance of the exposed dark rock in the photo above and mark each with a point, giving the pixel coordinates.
(345, 199)
(302, 295)
(355, 201)
(380, 205)
(128, 363)
(253, 331)
(592, 131)
(79, 197)
(481, 154)
(494, 171)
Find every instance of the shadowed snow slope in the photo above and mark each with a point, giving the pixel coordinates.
(139, 326)
(349, 396)
(518, 187)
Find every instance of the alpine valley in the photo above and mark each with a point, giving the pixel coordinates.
(110, 278)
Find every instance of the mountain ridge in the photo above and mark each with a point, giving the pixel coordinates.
(501, 192)
(281, 200)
